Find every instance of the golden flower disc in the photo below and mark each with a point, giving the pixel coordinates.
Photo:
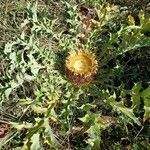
(82, 63)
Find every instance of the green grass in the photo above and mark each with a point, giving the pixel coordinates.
(41, 108)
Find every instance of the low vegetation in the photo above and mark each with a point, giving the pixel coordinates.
(75, 75)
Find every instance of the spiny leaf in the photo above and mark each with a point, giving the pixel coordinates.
(87, 107)
(129, 112)
(35, 139)
(50, 137)
(135, 92)
(126, 111)
(94, 137)
(146, 96)
(20, 126)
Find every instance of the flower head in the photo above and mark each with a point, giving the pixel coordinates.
(81, 66)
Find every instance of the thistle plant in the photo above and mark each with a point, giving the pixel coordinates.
(58, 78)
